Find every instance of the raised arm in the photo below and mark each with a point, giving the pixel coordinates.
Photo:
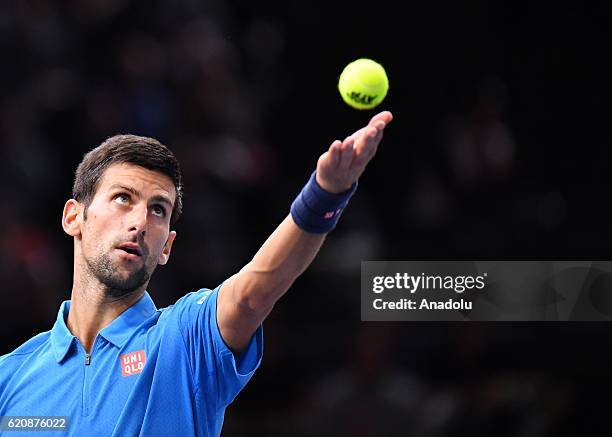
(247, 298)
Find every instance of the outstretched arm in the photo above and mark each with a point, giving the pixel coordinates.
(247, 297)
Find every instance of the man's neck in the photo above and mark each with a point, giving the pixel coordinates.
(91, 311)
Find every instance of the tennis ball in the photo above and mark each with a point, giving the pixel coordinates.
(363, 84)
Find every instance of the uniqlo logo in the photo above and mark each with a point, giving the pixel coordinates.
(132, 363)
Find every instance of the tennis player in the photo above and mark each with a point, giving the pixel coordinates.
(115, 365)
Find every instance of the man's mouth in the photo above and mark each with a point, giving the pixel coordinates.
(131, 248)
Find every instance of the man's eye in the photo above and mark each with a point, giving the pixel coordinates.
(122, 198)
(158, 210)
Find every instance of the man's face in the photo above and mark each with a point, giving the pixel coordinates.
(127, 229)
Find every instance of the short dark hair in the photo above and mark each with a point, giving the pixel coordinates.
(129, 149)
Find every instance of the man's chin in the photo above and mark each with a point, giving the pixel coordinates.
(120, 285)
(119, 276)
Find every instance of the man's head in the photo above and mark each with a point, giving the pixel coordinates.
(127, 193)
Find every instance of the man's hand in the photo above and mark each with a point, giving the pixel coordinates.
(346, 160)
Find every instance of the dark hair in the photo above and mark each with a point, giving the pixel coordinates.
(129, 149)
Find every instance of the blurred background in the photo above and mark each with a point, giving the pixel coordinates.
(500, 150)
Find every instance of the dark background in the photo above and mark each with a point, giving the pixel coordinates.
(500, 149)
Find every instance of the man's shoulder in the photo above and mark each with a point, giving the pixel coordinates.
(187, 311)
(191, 301)
(26, 349)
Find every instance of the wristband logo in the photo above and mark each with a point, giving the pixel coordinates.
(332, 214)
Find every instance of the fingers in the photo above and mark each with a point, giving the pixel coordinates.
(346, 154)
(379, 121)
(384, 116)
(380, 126)
(357, 149)
(331, 158)
(366, 146)
(334, 153)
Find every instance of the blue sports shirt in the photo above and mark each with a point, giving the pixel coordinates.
(150, 372)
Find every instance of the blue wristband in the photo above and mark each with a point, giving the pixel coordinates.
(317, 211)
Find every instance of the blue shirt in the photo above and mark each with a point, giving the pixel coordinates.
(151, 372)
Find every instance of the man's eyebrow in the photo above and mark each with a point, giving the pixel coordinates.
(162, 199)
(132, 190)
(135, 192)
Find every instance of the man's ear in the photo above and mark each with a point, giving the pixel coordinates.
(165, 255)
(72, 218)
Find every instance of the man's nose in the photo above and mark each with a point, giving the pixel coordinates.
(138, 219)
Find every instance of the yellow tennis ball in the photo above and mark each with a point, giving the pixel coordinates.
(363, 84)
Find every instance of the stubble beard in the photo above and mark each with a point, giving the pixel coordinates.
(117, 285)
